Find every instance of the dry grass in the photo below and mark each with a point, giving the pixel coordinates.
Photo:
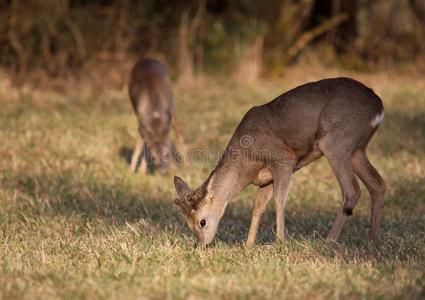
(75, 224)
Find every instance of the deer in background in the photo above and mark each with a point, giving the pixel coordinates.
(152, 100)
(332, 117)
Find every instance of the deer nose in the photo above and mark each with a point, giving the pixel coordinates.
(203, 246)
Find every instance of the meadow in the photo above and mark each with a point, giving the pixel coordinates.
(75, 223)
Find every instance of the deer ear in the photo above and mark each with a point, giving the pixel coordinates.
(184, 206)
(183, 190)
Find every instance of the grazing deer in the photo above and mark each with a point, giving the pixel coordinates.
(332, 117)
(152, 100)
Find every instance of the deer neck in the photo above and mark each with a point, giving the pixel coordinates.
(225, 182)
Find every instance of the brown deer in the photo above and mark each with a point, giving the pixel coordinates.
(152, 99)
(332, 117)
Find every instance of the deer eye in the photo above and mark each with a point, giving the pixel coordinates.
(203, 223)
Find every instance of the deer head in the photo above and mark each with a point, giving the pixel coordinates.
(201, 212)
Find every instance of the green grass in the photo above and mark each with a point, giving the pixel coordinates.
(75, 224)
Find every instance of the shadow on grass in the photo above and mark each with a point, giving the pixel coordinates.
(88, 199)
(307, 222)
(117, 204)
(126, 153)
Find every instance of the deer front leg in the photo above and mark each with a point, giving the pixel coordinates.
(263, 197)
(136, 154)
(281, 182)
(144, 160)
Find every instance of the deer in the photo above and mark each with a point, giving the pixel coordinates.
(152, 100)
(335, 118)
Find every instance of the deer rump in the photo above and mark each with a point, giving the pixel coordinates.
(297, 120)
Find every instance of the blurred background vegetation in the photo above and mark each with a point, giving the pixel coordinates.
(245, 38)
(75, 224)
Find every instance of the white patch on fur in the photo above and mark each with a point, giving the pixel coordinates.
(378, 119)
(156, 115)
(142, 104)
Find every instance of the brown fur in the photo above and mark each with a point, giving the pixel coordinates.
(331, 117)
(152, 100)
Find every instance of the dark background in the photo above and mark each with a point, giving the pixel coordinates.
(259, 38)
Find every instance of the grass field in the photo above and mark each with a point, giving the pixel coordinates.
(75, 224)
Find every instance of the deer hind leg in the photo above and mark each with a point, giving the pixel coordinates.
(350, 193)
(339, 157)
(136, 154)
(376, 187)
(263, 197)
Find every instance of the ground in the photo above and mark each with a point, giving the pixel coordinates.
(74, 223)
